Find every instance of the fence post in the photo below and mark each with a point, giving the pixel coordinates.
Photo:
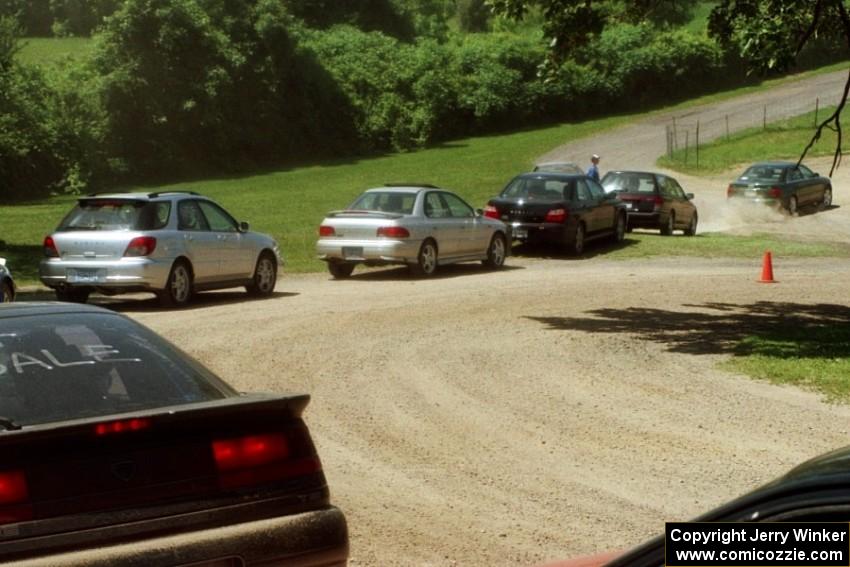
(817, 102)
(697, 144)
(727, 127)
(687, 135)
(675, 135)
(667, 140)
(764, 119)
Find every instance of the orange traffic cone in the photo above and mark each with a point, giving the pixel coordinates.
(767, 269)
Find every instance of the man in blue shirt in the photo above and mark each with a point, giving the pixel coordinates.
(593, 170)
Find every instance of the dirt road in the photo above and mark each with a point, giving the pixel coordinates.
(555, 408)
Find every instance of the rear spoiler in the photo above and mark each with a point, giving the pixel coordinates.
(368, 214)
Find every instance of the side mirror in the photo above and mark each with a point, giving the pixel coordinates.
(244, 226)
(690, 196)
(479, 212)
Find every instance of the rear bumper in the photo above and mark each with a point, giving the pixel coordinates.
(126, 273)
(652, 219)
(374, 251)
(768, 201)
(538, 232)
(311, 539)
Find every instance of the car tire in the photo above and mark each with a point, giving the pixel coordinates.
(71, 295)
(7, 292)
(265, 276)
(178, 287)
(792, 206)
(426, 260)
(667, 229)
(496, 252)
(692, 227)
(576, 247)
(340, 270)
(620, 228)
(826, 201)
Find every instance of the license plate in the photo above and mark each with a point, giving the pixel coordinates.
(352, 252)
(86, 275)
(628, 205)
(520, 233)
(751, 193)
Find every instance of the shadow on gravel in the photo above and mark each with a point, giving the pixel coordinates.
(785, 330)
(554, 252)
(443, 272)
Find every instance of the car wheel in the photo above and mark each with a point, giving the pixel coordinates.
(265, 276)
(72, 295)
(826, 202)
(7, 293)
(667, 229)
(340, 270)
(792, 206)
(496, 252)
(620, 229)
(178, 288)
(426, 261)
(692, 227)
(576, 247)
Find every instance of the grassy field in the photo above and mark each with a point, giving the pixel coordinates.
(815, 357)
(41, 50)
(784, 139)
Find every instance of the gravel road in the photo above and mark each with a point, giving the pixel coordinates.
(555, 408)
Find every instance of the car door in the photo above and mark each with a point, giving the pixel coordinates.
(797, 186)
(605, 211)
(474, 237)
(583, 206)
(682, 206)
(236, 259)
(201, 245)
(440, 224)
(815, 184)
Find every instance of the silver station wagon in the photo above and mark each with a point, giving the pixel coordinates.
(170, 243)
(421, 226)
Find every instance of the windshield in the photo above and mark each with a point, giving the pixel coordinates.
(385, 201)
(60, 367)
(540, 189)
(628, 182)
(116, 214)
(763, 173)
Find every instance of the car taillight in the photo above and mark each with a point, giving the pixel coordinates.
(556, 215)
(121, 426)
(50, 249)
(658, 200)
(259, 459)
(775, 192)
(393, 232)
(141, 246)
(491, 212)
(730, 191)
(325, 230)
(14, 497)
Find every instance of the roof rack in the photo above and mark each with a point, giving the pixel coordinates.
(158, 193)
(428, 185)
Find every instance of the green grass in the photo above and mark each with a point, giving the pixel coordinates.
(45, 50)
(718, 245)
(815, 357)
(784, 139)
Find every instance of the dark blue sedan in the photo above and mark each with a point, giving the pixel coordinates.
(782, 184)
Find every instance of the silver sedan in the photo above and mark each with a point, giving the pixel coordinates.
(169, 243)
(421, 226)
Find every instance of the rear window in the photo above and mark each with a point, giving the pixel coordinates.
(628, 182)
(117, 214)
(763, 173)
(559, 168)
(541, 189)
(385, 201)
(61, 367)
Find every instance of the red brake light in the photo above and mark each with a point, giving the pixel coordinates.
(491, 212)
(14, 497)
(258, 459)
(325, 230)
(556, 215)
(141, 246)
(50, 249)
(730, 191)
(393, 232)
(775, 192)
(121, 426)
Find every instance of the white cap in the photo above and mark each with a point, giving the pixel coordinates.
(595, 156)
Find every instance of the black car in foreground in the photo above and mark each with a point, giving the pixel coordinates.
(653, 200)
(566, 209)
(815, 491)
(118, 449)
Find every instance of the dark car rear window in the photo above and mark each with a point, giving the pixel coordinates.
(541, 189)
(385, 201)
(60, 367)
(763, 173)
(628, 182)
(117, 214)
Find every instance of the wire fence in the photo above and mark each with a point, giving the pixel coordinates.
(686, 133)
